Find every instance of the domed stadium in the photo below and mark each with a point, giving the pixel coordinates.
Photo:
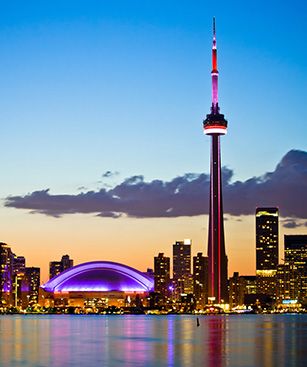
(98, 279)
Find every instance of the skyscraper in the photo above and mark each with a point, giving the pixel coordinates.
(200, 279)
(287, 282)
(296, 259)
(56, 267)
(296, 250)
(162, 274)
(182, 267)
(19, 267)
(266, 249)
(6, 274)
(30, 286)
(215, 125)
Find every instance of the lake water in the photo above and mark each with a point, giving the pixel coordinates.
(238, 341)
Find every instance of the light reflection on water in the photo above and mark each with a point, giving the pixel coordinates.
(235, 341)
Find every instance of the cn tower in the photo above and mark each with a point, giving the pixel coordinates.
(215, 125)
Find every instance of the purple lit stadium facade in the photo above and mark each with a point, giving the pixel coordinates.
(98, 279)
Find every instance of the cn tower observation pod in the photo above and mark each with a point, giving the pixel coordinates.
(100, 276)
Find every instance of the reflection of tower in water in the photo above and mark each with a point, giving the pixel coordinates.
(217, 328)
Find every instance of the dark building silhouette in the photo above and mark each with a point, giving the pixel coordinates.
(162, 275)
(6, 275)
(215, 125)
(266, 249)
(200, 280)
(182, 277)
(30, 286)
(57, 267)
(250, 284)
(19, 268)
(287, 282)
(242, 290)
(296, 260)
(236, 290)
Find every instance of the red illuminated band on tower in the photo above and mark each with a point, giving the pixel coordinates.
(215, 125)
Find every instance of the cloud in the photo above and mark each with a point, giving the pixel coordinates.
(187, 195)
(293, 223)
(81, 188)
(109, 174)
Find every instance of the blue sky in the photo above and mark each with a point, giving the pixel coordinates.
(94, 86)
(123, 86)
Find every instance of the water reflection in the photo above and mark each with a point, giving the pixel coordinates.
(238, 341)
(217, 329)
(281, 343)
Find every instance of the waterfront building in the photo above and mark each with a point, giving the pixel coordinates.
(288, 282)
(236, 290)
(215, 125)
(162, 275)
(182, 278)
(6, 275)
(19, 267)
(250, 284)
(242, 290)
(30, 287)
(57, 267)
(98, 282)
(296, 258)
(150, 273)
(200, 280)
(266, 250)
(67, 262)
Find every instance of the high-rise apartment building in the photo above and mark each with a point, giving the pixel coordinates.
(6, 274)
(162, 274)
(236, 290)
(242, 288)
(266, 250)
(19, 268)
(287, 282)
(200, 280)
(57, 267)
(182, 268)
(30, 286)
(67, 262)
(296, 259)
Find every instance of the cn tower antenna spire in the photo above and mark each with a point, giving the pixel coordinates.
(214, 73)
(213, 27)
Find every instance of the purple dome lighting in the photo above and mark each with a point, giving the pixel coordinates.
(100, 276)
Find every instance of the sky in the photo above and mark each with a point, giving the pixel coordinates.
(101, 108)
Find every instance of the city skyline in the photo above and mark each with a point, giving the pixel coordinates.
(94, 99)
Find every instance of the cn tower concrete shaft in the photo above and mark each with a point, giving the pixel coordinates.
(217, 277)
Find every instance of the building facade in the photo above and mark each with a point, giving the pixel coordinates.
(57, 267)
(98, 284)
(182, 278)
(242, 290)
(296, 259)
(162, 275)
(6, 275)
(19, 269)
(266, 250)
(200, 280)
(30, 287)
